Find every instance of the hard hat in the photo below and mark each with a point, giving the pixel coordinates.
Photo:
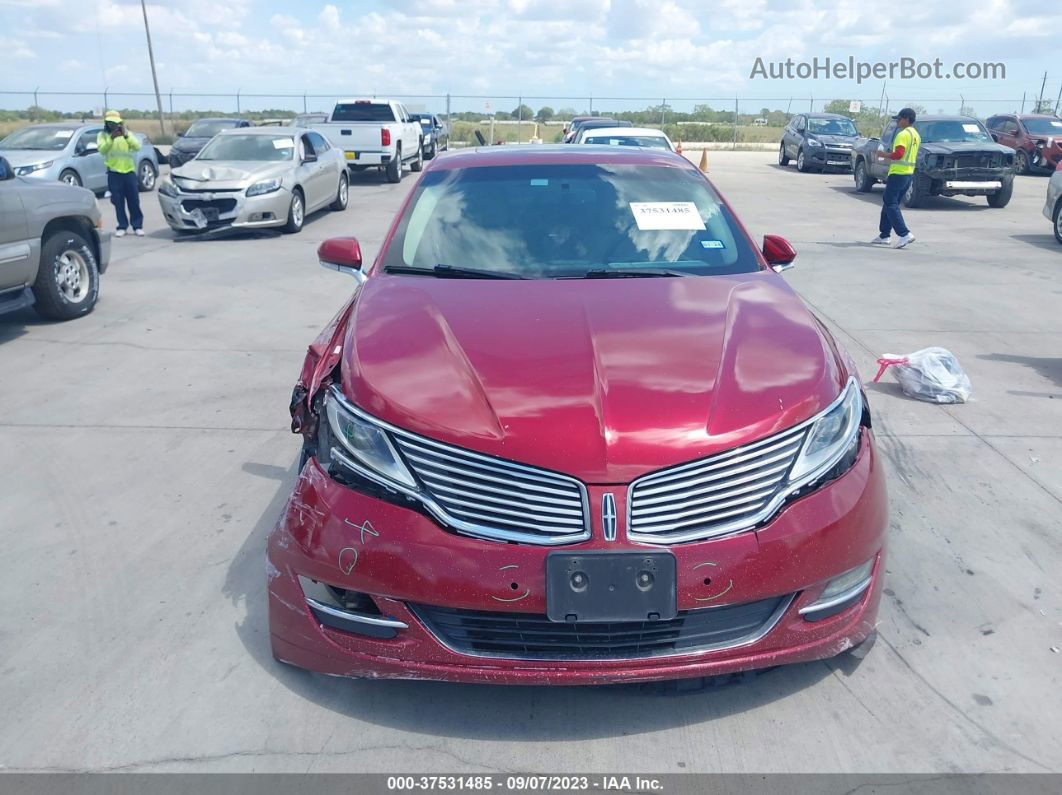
(113, 115)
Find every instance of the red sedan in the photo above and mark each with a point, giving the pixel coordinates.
(573, 428)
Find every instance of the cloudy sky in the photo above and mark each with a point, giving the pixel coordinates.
(542, 48)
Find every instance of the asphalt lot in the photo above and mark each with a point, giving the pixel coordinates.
(146, 456)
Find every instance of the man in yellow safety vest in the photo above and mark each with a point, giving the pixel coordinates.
(117, 145)
(904, 155)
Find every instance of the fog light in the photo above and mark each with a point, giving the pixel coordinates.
(349, 611)
(840, 593)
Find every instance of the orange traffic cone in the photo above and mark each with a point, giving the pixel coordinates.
(703, 165)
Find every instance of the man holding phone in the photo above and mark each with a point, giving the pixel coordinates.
(117, 147)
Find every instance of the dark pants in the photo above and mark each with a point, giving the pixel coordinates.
(891, 217)
(125, 190)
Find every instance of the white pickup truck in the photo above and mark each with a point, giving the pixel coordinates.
(375, 133)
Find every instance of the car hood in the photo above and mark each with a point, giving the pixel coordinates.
(203, 174)
(947, 148)
(833, 140)
(603, 380)
(25, 157)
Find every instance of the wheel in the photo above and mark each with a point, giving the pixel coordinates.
(146, 176)
(863, 181)
(70, 177)
(783, 158)
(915, 195)
(418, 164)
(342, 193)
(1021, 162)
(296, 212)
(801, 162)
(1058, 221)
(1001, 198)
(394, 168)
(68, 281)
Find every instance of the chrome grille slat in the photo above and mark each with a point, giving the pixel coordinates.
(488, 493)
(477, 474)
(560, 520)
(467, 459)
(718, 495)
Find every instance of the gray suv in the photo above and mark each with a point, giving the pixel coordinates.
(52, 246)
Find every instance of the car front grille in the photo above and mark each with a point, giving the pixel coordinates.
(531, 636)
(496, 499)
(216, 205)
(976, 160)
(714, 496)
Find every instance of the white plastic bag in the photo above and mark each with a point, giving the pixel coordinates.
(931, 374)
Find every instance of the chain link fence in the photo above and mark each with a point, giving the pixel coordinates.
(720, 122)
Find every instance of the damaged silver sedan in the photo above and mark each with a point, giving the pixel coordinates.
(253, 178)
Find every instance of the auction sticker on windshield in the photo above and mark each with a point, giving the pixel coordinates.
(971, 128)
(283, 143)
(666, 215)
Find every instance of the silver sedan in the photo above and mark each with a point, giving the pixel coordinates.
(250, 178)
(1053, 205)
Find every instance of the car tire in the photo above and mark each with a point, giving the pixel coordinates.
(418, 164)
(394, 168)
(1001, 198)
(68, 281)
(802, 164)
(916, 193)
(783, 158)
(146, 176)
(296, 212)
(70, 177)
(1021, 163)
(863, 181)
(342, 194)
(1058, 221)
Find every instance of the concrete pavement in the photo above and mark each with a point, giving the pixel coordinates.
(146, 455)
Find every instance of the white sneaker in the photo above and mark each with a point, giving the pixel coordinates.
(880, 241)
(120, 233)
(138, 232)
(904, 241)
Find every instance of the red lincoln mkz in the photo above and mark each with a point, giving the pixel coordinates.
(573, 428)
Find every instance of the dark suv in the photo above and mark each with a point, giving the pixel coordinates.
(1036, 139)
(818, 141)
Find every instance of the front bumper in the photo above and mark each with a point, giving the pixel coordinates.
(367, 157)
(831, 157)
(198, 212)
(103, 242)
(966, 181)
(399, 557)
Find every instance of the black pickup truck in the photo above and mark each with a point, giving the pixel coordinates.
(957, 158)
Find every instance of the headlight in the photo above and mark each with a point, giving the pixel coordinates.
(265, 186)
(23, 170)
(830, 436)
(362, 446)
(167, 188)
(814, 142)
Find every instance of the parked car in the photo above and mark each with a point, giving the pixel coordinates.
(496, 487)
(436, 134)
(66, 151)
(196, 136)
(572, 127)
(309, 119)
(957, 157)
(1053, 205)
(254, 177)
(1036, 138)
(53, 246)
(375, 133)
(818, 141)
(627, 136)
(595, 124)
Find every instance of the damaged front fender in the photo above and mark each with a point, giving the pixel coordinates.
(322, 356)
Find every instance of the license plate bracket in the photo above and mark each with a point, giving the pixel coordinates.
(351, 155)
(598, 586)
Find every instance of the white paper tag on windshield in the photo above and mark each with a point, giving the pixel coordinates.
(283, 143)
(667, 215)
(64, 134)
(971, 128)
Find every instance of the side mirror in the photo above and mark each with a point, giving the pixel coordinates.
(6, 172)
(90, 148)
(342, 254)
(309, 158)
(778, 253)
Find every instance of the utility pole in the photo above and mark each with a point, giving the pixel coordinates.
(154, 76)
(1023, 102)
(1059, 100)
(1040, 101)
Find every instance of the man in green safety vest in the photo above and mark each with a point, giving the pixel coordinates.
(904, 155)
(117, 146)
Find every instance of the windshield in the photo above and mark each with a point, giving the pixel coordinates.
(208, 129)
(1043, 126)
(249, 147)
(363, 111)
(952, 131)
(560, 220)
(48, 138)
(832, 127)
(650, 141)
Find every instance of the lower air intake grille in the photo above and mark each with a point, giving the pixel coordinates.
(529, 636)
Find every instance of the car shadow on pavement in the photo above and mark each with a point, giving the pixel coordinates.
(934, 203)
(1046, 367)
(1045, 241)
(18, 323)
(487, 712)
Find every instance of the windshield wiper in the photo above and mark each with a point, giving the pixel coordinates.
(450, 272)
(606, 273)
